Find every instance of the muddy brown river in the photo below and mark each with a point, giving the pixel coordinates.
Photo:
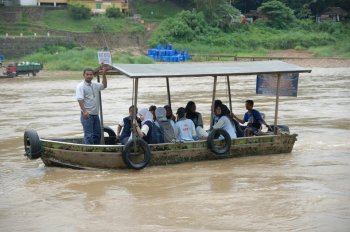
(306, 190)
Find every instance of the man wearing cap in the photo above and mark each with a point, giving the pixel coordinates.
(184, 128)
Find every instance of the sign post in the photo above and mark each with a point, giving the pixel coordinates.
(104, 57)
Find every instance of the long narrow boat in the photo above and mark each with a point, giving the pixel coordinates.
(72, 153)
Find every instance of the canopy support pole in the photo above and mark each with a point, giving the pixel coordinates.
(101, 114)
(212, 102)
(168, 91)
(229, 92)
(277, 101)
(136, 86)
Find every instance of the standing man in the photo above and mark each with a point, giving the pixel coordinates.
(87, 93)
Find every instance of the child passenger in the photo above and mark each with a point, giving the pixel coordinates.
(147, 124)
(184, 128)
(197, 119)
(254, 119)
(125, 127)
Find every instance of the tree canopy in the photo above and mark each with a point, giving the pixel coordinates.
(279, 15)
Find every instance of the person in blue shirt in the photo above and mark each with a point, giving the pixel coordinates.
(253, 118)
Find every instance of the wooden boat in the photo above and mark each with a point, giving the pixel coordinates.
(72, 153)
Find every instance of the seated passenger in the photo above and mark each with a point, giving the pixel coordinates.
(193, 115)
(254, 119)
(147, 124)
(196, 118)
(166, 130)
(224, 121)
(184, 128)
(125, 127)
(170, 115)
(152, 109)
(215, 118)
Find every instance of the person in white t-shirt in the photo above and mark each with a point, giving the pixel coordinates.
(184, 128)
(224, 121)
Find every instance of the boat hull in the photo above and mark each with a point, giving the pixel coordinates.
(73, 154)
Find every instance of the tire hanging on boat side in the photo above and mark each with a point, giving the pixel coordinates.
(216, 134)
(112, 136)
(32, 144)
(127, 152)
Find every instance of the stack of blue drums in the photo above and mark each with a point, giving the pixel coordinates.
(166, 53)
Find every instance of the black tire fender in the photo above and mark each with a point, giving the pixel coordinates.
(32, 144)
(146, 153)
(112, 136)
(215, 133)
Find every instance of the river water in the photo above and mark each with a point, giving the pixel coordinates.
(307, 190)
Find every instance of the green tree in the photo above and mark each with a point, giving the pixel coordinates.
(279, 15)
(113, 12)
(218, 12)
(78, 11)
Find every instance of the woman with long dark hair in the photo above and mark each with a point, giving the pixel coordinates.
(193, 115)
(196, 118)
(225, 121)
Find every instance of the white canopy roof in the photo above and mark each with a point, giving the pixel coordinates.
(207, 69)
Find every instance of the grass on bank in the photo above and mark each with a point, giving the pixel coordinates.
(60, 20)
(156, 11)
(76, 59)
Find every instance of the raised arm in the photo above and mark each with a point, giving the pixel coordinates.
(104, 80)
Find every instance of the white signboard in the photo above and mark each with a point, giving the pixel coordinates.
(104, 57)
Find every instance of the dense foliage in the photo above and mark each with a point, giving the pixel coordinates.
(189, 30)
(78, 12)
(300, 7)
(113, 12)
(278, 14)
(218, 13)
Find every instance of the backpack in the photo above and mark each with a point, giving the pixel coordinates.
(167, 131)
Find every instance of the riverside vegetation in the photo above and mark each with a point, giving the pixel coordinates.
(202, 29)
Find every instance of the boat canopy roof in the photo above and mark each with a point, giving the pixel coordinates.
(207, 69)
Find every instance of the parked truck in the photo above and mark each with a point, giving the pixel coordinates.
(20, 68)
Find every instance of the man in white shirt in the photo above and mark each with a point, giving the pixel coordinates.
(184, 128)
(87, 93)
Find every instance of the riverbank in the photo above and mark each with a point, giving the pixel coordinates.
(307, 59)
